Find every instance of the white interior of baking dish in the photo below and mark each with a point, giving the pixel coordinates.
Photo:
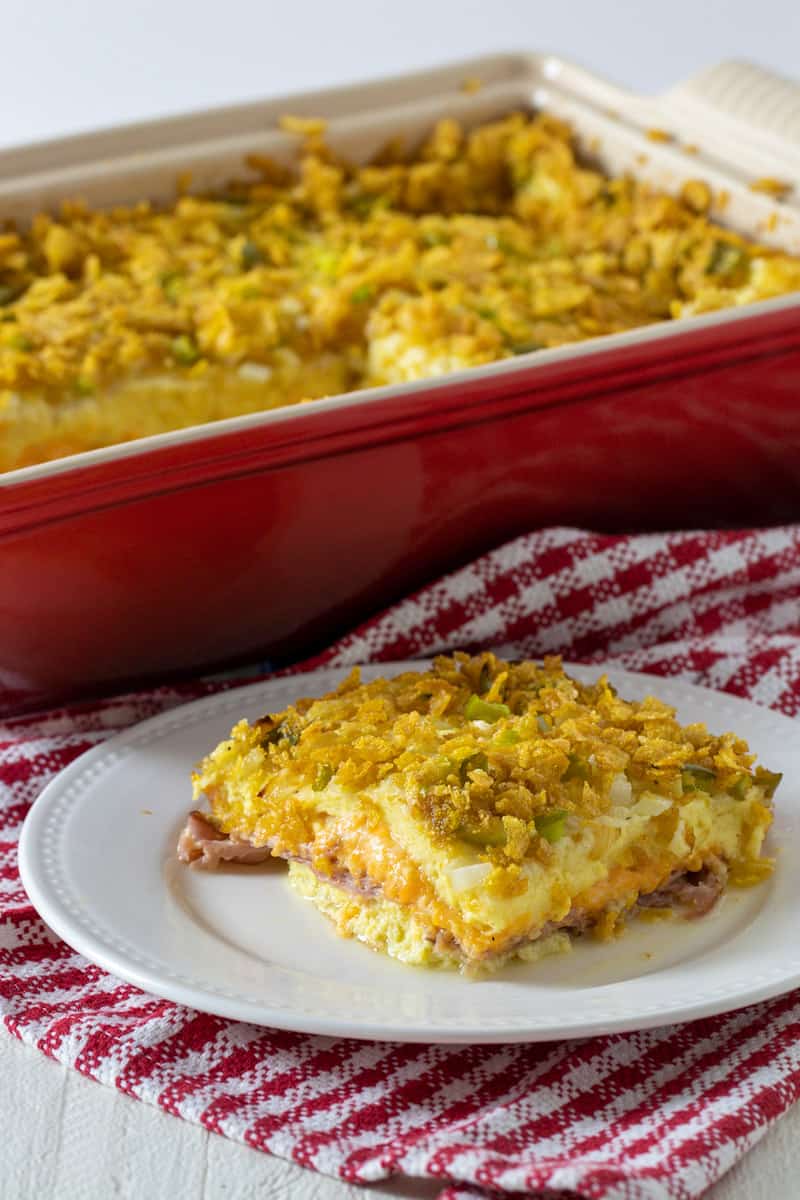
(731, 126)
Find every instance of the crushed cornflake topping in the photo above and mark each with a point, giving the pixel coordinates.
(659, 135)
(478, 246)
(507, 756)
(772, 187)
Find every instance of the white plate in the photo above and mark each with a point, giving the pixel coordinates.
(97, 859)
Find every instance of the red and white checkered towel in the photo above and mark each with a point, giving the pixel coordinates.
(643, 1116)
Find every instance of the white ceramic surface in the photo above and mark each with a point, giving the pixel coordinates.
(97, 858)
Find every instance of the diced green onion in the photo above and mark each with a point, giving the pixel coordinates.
(475, 762)
(327, 263)
(695, 778)
(508, 737)
(171, 285)
(363, 205)
(740, 787)
(19, 341)
(552, 825)
(482, 710)
(252, 255)
(282, 732)
(323, 777)
(543, 724)
(506, 247)
(8, 293)
(489, 832)
(577, 768)
(84, 386)
(768, 780)
(527, 347)
(725, 258)
(185, 349)
(362, 294)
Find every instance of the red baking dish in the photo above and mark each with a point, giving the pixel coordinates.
(267, 534)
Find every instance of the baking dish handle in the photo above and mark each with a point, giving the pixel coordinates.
(742, 100)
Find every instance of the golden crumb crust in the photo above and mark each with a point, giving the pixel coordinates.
(506, 756)
(294, 284)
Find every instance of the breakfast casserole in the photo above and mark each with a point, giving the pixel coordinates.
(292, 285)
(483, 810)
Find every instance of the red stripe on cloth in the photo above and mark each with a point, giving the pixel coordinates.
(736, 1072)
(396, 1058)
(317, 1058)
(111, 1035)
(20, 956)
(197, 1031)
(231, 1062)
(375, 1116)
(44, 763)
(13, 816)
(630, 1149)
(676, 1052)
(545, 1063)
(18, 986)
(456, 1115)
(89, 1003)
(239, 1062)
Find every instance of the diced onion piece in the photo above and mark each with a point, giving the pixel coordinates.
(255, 372)
(610, 822)
(679, 845)
(462, 879)
(650, 805)
(621, 791)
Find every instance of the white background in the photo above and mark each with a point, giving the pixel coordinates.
(72, 65)
(77, 64)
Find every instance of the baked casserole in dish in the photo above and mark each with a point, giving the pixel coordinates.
(476, 245)
(660, 396)
(482, 810)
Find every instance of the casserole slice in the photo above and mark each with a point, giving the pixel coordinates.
(482, 810)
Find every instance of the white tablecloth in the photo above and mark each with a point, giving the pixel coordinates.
(93, 62)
